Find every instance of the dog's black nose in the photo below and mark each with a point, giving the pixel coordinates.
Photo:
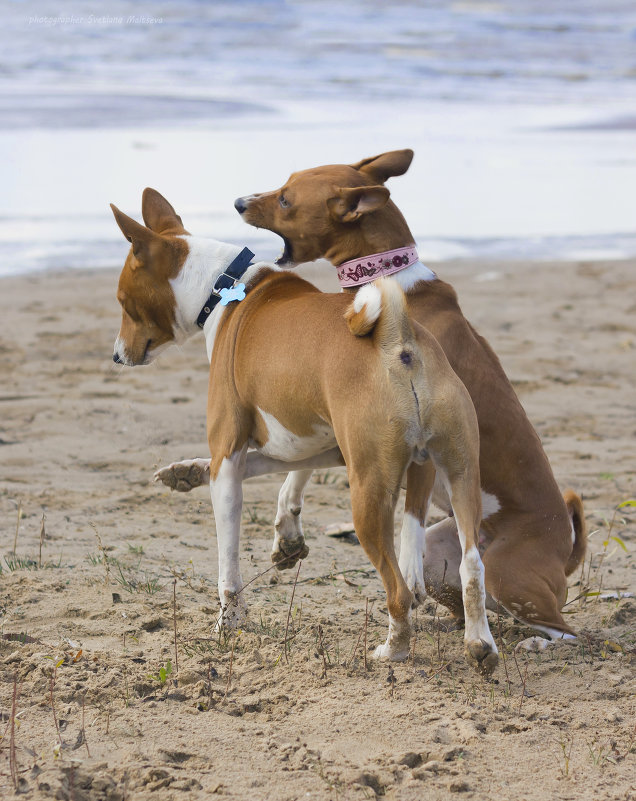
(116, 358)
(240, 205)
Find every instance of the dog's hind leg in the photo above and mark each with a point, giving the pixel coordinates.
(373, 516)
(531, 588)
(289, 541)
(419, 485)
(480, 648)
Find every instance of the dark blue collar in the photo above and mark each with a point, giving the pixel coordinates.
(226, 280)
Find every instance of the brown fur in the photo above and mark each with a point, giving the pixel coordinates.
(382, 407)
(532, 534)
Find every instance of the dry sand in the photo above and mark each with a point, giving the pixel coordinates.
(243, 717)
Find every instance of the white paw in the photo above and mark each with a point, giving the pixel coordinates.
(386, 652)
(397, 645)
(233, 613)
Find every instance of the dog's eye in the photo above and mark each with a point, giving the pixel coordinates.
(284, 203)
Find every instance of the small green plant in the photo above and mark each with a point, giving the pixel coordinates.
(136, 549)
(131, 583)
(566, 751)
(252, 516)
(15, 562)
(162, 675)
(610, 536)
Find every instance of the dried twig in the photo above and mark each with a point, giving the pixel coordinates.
(42, 536)
(13, 761)
(229, 675)
(83, 726)
(366, 625)
(392, 681)
(17, 528)
(435, 617)
(355, 648)
(437, 672)
(502, 646)
(174, 618)
(52, 685)
(289, 611)
(321, 651)
(523, 688)
(514, 656)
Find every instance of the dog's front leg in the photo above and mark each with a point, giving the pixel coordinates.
(227, 499)
(289, 541)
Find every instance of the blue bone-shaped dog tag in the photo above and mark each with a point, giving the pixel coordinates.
(233, 293)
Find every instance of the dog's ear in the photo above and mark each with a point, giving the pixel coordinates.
(381, 168)
(159, 215)
(349, 204)
(138, 235)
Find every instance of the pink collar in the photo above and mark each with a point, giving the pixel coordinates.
(361, 271)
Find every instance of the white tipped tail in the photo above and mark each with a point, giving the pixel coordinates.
(363, 313)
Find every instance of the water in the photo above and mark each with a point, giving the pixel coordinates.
(521, 113)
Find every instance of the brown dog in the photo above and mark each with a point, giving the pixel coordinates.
(532, 536)
(377, 401)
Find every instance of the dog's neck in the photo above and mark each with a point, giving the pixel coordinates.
(384, 230)
(207, 259)
(398, 263)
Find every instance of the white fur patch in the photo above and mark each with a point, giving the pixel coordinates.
(413, 275)
(412, 548)
(554, 634)
(206, 260)
(489, 505)
(368, 298)
(283, 444)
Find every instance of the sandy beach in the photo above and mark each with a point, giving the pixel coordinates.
(287, 708)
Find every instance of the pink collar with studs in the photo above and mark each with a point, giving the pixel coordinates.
(361, 271)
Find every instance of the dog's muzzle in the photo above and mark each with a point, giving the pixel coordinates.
(240, 204)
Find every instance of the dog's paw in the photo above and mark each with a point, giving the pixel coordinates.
(419, 593)
(398, 642)
(414, 578)
(185, 476)
(286, 552)
(233, 613)
(390, 653)
(481, 655)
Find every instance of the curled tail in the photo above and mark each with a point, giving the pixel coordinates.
(575, 511)
(381, 307)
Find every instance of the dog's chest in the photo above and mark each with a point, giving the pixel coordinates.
(289, 447)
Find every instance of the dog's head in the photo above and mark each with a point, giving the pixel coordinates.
(144, 292)
(324, 211)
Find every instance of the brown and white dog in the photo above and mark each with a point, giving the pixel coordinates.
(379, 402)
(532, 537)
